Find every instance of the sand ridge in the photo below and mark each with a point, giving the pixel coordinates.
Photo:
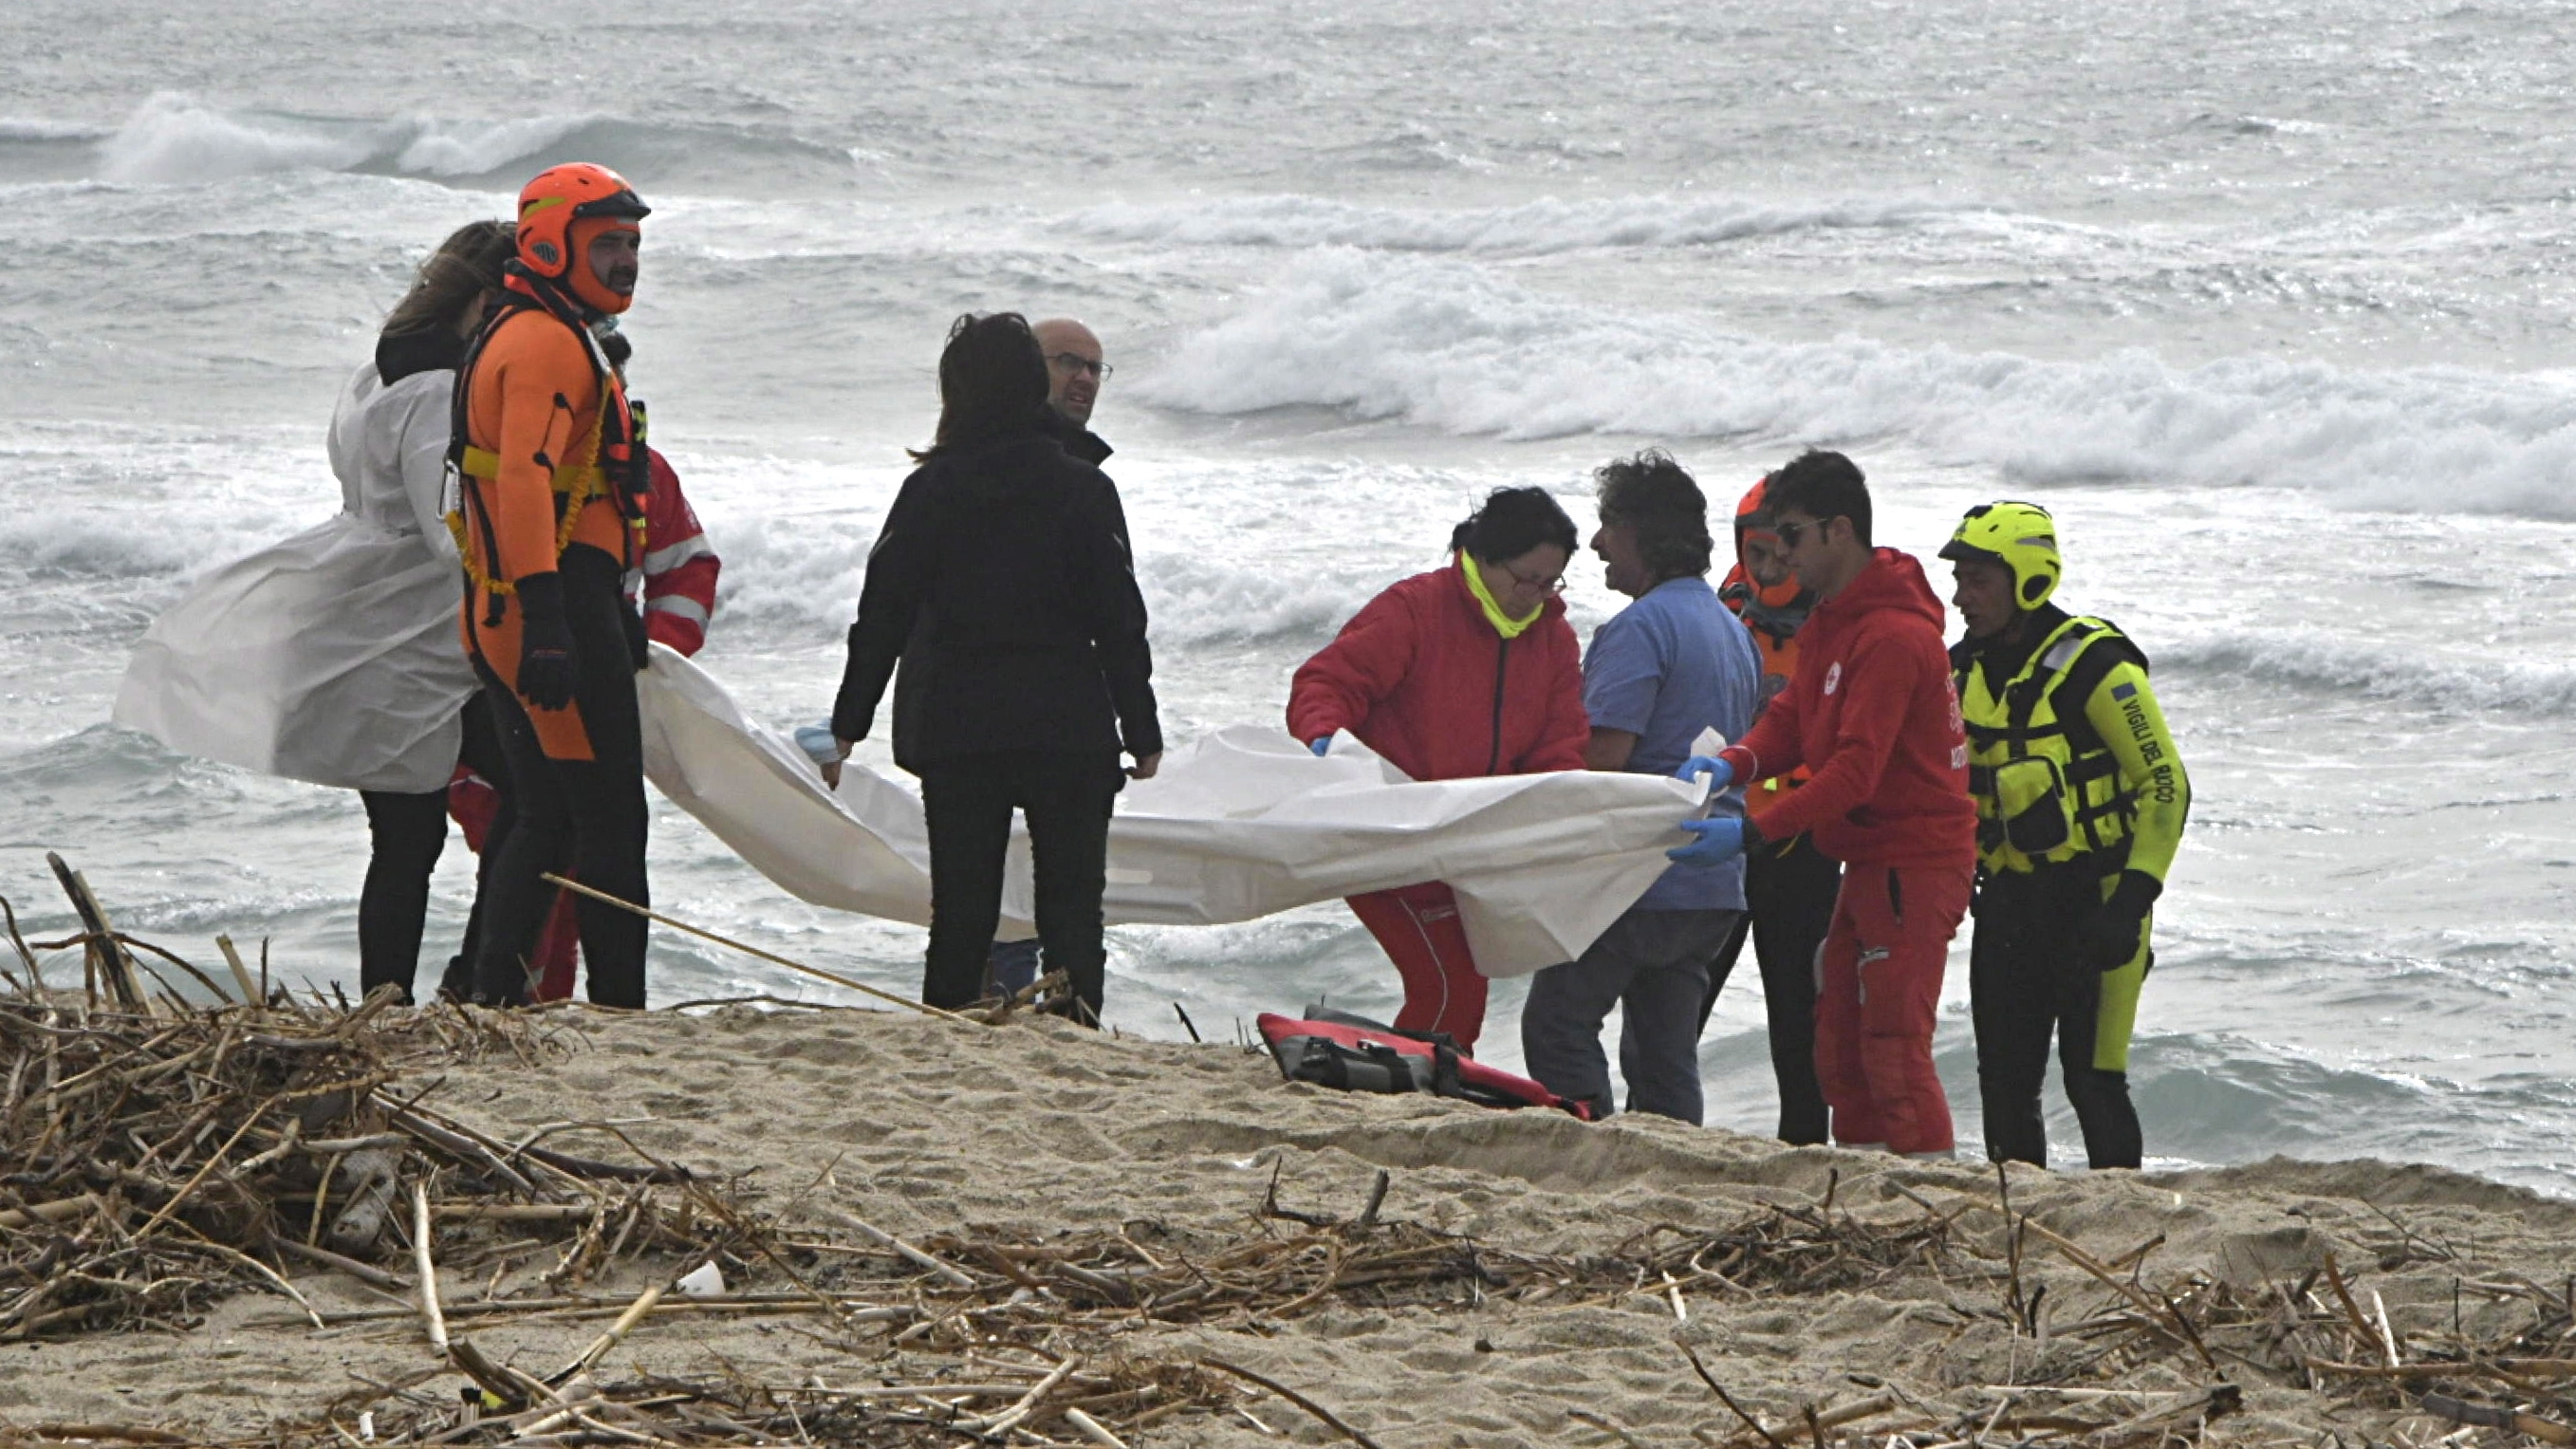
(926, 1127)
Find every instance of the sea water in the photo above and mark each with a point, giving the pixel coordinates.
(2266, 301)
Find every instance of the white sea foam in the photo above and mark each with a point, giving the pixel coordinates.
(29, 128)
(1447, 345)
(173, 138)
(2410, 671)
(1537, 227)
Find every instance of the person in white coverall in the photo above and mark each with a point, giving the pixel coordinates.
(332, 657)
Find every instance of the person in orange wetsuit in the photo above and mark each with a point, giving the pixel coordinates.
(1789, 885)
(553, 492)
(680, 573)
(1871, 712)
(1464, 671)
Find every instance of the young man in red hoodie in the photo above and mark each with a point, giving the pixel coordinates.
(1872, 715)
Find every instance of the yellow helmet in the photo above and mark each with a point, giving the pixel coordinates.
(2021, 537)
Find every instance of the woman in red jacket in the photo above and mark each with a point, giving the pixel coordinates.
(1467, 670)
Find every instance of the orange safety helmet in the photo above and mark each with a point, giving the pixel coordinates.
(561, 210)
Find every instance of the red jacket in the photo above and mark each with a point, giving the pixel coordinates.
(1871, 711)
(1421, 677)
(680, 566)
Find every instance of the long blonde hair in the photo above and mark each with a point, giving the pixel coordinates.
(454, 279)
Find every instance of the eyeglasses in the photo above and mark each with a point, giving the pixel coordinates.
(1076, 363)
(1789, 534)
(1552, 584)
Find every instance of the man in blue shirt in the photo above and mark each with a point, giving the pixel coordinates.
(1675, 662)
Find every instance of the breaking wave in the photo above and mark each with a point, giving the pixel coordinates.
(1534, 228)
(1446, 345)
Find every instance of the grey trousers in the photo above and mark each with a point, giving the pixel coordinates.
(1653, 963)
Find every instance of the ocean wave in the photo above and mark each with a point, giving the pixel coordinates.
(37, 129)
(174, 138)
(2415, 673)
(1444, 344)
(1534, 228)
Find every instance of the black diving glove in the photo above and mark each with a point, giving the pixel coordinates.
(639, 643)
(2109, 938)
(547, 666)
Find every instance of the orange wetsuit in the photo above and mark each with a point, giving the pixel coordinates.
(533, 423)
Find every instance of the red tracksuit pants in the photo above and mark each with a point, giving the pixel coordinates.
(1878, 985)
(1419, 927)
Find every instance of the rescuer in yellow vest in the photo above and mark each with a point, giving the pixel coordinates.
(2081, 798)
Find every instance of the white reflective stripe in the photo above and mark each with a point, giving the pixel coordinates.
(680, 604)
(663, 560)
(2064, 652)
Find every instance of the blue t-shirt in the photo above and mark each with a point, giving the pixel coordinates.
(1664, 668)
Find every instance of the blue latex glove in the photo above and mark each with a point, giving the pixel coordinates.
(1721, 839)
(1320, 746)
(1720, 773)
(818, 743)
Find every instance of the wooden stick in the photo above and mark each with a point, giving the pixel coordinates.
(241, 973)
(2548, 1431)
(1000, 1425)
(880, 1236)
(363, 1272)
(122, 981)
(49, 1212)
(2387, 1333)
(749, 950)
(1726, 1398)
(1330, 1419)
(181, 1196)
(431, 1318)
(517, 1212)
(1090, 1428)
(625, 1323)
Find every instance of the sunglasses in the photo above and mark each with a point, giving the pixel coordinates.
(1791, 534)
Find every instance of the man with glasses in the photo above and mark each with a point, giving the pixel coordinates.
(1872, 714)
(1074, 375)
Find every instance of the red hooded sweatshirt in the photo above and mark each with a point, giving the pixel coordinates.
(1421, 677)
(1872, 712)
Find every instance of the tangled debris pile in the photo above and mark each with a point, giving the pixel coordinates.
(159, 1152)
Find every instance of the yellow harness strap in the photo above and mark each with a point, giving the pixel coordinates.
(577, 482)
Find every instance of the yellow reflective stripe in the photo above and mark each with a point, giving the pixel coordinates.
(484, 464)
(2087, 797)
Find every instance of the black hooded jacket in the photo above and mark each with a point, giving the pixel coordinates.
(1003, 583)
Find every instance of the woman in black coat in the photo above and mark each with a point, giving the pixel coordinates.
(1003, 585)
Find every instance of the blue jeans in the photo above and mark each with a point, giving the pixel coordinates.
(1012, 965)
(1655, 965)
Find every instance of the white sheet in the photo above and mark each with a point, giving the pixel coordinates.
(1240, 824)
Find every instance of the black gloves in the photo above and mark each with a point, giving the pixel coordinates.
(2109, 938)
(639, 644)
(547, 667)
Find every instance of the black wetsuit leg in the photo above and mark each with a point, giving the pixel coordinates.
(406, 833)
(589, 814)
(2012, 999)
(1791, 898)
(2027, 981)
(483, 755)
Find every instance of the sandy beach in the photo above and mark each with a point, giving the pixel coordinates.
(1032, 1131)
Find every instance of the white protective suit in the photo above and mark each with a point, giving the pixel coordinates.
(333, 656)
(1242, 823)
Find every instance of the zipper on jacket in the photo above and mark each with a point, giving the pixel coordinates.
(1502, 664)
